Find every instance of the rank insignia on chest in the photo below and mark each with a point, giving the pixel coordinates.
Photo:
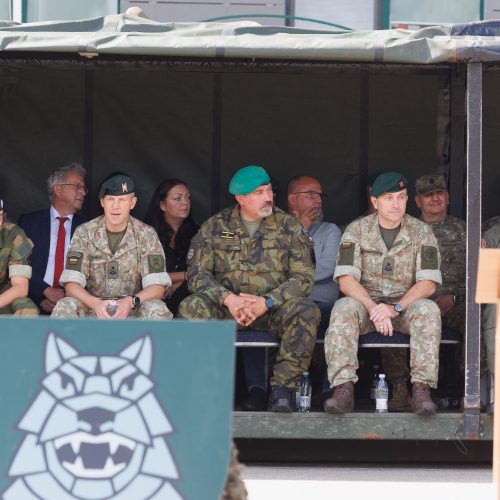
(227, 235)
(113, 270)
(388, 265)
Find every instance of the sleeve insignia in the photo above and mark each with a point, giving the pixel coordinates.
(156, 263)
(429, 258)
(346, 253)
(190, 254)
(74, 261)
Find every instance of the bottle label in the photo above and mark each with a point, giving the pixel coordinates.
(305, 401)
(381, 404)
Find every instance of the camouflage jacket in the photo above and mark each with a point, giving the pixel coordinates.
(15, 252)
(138, 262)
(276, 262)
(388, 274)
(491, 237)
(452, 240)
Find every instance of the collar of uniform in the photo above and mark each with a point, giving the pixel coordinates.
(403, 235)
(101, 238)
(235, 222)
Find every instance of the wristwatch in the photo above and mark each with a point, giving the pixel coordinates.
(136, 301)
(269, 302)
(458, 299)
(398, 308)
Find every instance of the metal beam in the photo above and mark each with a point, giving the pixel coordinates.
(474, 98)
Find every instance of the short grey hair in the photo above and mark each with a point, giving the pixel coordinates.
(59, 176)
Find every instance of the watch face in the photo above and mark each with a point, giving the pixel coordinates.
(136, 300)
(269, 303)
(398, 308)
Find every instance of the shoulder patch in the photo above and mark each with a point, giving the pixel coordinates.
(346, 253)
(74, 261)
(156, 263)
(190, 254)
(429, 258)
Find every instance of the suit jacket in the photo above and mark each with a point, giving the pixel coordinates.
(36, 225)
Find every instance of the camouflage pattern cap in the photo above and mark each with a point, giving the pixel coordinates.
(246, 179)
(431, 182)
(389, 182)
(117, 185)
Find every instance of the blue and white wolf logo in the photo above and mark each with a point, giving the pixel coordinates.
(95, 430)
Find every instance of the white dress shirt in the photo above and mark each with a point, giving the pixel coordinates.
(54, 230)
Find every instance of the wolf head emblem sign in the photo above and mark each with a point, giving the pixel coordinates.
(95, 430)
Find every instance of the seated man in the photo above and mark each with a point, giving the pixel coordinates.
(253, 263)
(50, 230)
(15, 269)
(305, 202)
(432, 199)
(388, 263)
(115, 266)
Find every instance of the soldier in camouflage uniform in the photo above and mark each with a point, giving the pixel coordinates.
(491, 239)
(253, 263)
(115, 266)
(432, 199)
(15, 269)
(388, 263)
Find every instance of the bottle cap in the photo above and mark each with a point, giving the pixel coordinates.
(305, 373)
(382, 375)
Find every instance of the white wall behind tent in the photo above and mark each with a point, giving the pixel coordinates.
(355, 14)
(49, 10)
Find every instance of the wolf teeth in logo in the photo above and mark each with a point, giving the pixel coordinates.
(95, 430)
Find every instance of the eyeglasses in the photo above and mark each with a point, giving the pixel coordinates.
(312, 195)
(76, 187)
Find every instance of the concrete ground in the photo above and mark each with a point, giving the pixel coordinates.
(373, 482)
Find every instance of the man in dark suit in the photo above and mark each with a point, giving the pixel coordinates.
(50, 230)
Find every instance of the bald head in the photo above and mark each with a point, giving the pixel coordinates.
(305, 199)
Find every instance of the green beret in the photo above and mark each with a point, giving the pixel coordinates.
(390, 182)
(247, 179)
(117, 185)
(432, 182)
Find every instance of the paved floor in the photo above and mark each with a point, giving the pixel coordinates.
(316, 482)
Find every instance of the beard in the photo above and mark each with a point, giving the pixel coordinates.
(265, 210)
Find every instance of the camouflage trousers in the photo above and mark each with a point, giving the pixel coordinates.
(296, 322)
(350, 319)
(69, 307)
(395, 360)
(489, 327)
(21, 307)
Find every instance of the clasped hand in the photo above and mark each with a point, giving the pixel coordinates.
(245, 308)
(381, 316)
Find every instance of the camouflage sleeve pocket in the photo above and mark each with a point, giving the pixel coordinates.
(346, 253)
(429, 258)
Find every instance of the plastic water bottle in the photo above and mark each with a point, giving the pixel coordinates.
(297, 396)
(382, 394)
(305, 393)
(374, 382)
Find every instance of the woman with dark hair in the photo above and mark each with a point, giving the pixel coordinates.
(170, 214)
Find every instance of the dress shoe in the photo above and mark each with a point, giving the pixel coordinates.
(280, 400)
(256, 400)
(342, 400)
(421, 402)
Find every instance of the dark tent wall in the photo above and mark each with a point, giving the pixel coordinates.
(201, 120)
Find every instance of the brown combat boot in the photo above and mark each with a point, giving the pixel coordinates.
(421, 402)
(400, 400)
(342, 400)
